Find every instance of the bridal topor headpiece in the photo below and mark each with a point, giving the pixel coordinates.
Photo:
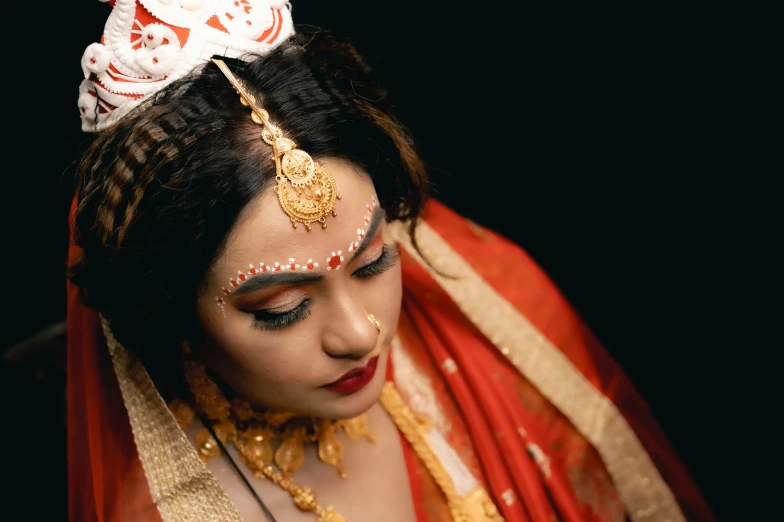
(147, 44)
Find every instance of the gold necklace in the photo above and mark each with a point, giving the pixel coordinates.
(257, 429)
(252, 430)
(254, 446)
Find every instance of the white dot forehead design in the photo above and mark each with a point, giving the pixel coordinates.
(334, 261)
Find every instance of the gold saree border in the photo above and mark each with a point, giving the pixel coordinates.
(182, 487)
(184, 490)
(643, 491)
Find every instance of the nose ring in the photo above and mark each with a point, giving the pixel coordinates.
(375, 322)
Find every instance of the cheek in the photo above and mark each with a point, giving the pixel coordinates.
(252, 361)
(387, 300)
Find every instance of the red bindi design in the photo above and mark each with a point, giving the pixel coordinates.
(334, 261)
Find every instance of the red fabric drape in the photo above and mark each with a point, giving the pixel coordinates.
(106, 482)
(501, 415)
(516, 277)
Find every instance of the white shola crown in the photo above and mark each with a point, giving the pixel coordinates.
(147, 44)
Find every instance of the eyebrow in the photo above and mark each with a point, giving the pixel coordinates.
(375, 221)
(265, 280)
(260, 281)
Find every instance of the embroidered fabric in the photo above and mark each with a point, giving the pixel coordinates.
(643, 491)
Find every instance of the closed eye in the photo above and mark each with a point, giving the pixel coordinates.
(386, 260)
(267, 320)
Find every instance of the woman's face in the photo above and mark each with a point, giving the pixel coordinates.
(282, 337)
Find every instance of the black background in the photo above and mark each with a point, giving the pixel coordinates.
(587, 136)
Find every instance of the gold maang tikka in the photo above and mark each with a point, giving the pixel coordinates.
(306, 189)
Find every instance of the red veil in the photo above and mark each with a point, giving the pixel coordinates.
(535, 461)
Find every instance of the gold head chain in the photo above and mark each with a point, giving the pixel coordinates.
(306, 189)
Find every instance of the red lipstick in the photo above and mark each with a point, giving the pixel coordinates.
(354, 380)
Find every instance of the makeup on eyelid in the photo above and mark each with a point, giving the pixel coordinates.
(333, 261)
(284, 299)
(281, 300)
(376, 242)
(271, 314)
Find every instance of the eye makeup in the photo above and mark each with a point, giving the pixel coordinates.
(267, 320)
(389, 256)
(271, 319)
(333, 262)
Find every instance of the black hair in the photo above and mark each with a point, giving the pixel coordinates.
(159, 191)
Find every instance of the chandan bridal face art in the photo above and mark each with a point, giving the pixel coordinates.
(333, 262)
(299, 320)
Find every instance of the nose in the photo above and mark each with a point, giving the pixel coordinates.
(348, 332)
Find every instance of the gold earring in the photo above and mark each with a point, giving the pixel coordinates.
(375, 322)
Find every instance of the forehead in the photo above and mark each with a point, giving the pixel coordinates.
(263, 232)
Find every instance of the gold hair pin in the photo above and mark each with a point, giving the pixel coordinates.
(306, 189)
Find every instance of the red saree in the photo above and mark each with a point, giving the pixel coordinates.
(537, 462)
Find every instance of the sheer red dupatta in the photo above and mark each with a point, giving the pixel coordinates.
(490, 392)
(106, 482)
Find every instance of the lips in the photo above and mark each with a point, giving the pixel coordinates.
(354, 380)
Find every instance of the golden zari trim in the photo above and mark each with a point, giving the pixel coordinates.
(184, 490)
(477, 506)
(181, 486)
(644, 493)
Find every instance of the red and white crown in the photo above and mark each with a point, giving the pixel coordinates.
(147, 44)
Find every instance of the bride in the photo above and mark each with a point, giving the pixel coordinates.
(269, 319)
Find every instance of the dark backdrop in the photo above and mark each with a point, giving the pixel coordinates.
(577, 134)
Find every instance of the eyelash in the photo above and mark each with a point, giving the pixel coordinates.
(384, 262)
(266, 320)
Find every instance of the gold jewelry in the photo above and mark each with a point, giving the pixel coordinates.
(375, 322)
(258, 428)
(252, 430)
(303, 497)
(312, 194)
